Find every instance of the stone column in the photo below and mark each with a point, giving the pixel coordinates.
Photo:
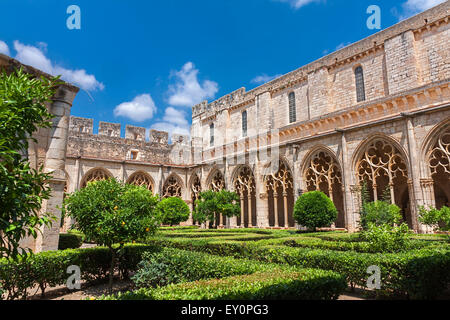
(262, 210)
(55, 161)
(349, 194)
(286, 215)
(249, 213)
(275, 208)
(416, 199)
(242, 211)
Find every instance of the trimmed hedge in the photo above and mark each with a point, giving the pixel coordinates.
(417, 274)
(69, 241)
(278, 283)
(48, 269)
(173, 266)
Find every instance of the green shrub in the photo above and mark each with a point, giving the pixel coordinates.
(315, 210)
(380, 213)
(69, 241)
(48, 269)
(438, 219)
(276, 284)
(386, 238)
(173, 211)
(173, 266)
(417, 274)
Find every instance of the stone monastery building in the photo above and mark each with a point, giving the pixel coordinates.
(375, 111)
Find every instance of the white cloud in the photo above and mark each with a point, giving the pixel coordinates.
(4, 48)
(140, 109)
(297, 4)
(35, 57)
(412, 7)
(264, 78)
(174, 121)
(187, 90)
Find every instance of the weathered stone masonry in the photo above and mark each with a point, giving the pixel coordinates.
(376, 111)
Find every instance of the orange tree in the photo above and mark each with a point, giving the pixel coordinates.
(111, 213)
(210, 204)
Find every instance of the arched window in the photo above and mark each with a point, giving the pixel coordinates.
(211, 134)
(244, 123)
(292, 108)
(359, 80)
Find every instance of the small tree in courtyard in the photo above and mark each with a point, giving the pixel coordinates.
(111, 213)
(437, 219)
(173, 211)
(210, 204)
(315, 210)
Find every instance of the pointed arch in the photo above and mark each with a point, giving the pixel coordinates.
(322, 171)
(173, 186)
(279, 184)
(244, 184)
(95, 174)
(142, 179)
(436, 155)
(215, 180)
(383, 166)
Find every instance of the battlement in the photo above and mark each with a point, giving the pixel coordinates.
(82, 126)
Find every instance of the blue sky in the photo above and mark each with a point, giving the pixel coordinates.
(146, 63)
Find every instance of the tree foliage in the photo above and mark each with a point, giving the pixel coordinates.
(23, 111)
(211, 203)
(438, 219)
(380, 213)
(173, 211)
(315, 210)
(108, 213)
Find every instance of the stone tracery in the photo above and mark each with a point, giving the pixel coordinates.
(280, 186)
(323, 173)
(172, 188)
(244, 185)
(95, 175)
(381, 166)
(141, 179)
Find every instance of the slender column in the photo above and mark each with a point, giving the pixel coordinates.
(375, 191)
(242, 210)
(350, 196)
(286, 216)
(249, 213)
(415, 176)
(391, 187)
(275, 208)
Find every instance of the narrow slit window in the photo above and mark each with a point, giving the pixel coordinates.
(244, 123)
(292, 108)
(211, 134)
(360, 89)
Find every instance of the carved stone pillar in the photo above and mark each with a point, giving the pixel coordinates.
(249, 213)
(242, 224)
(55, 164)
(275, 209)
(286, 215)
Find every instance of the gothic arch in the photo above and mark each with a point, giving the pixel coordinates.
(383, 165)
(142, 179)
(215, 180)
(244, 184)
(279, 186)
(436, 153)
(95, 174)
(173, 187)
(322, 171)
